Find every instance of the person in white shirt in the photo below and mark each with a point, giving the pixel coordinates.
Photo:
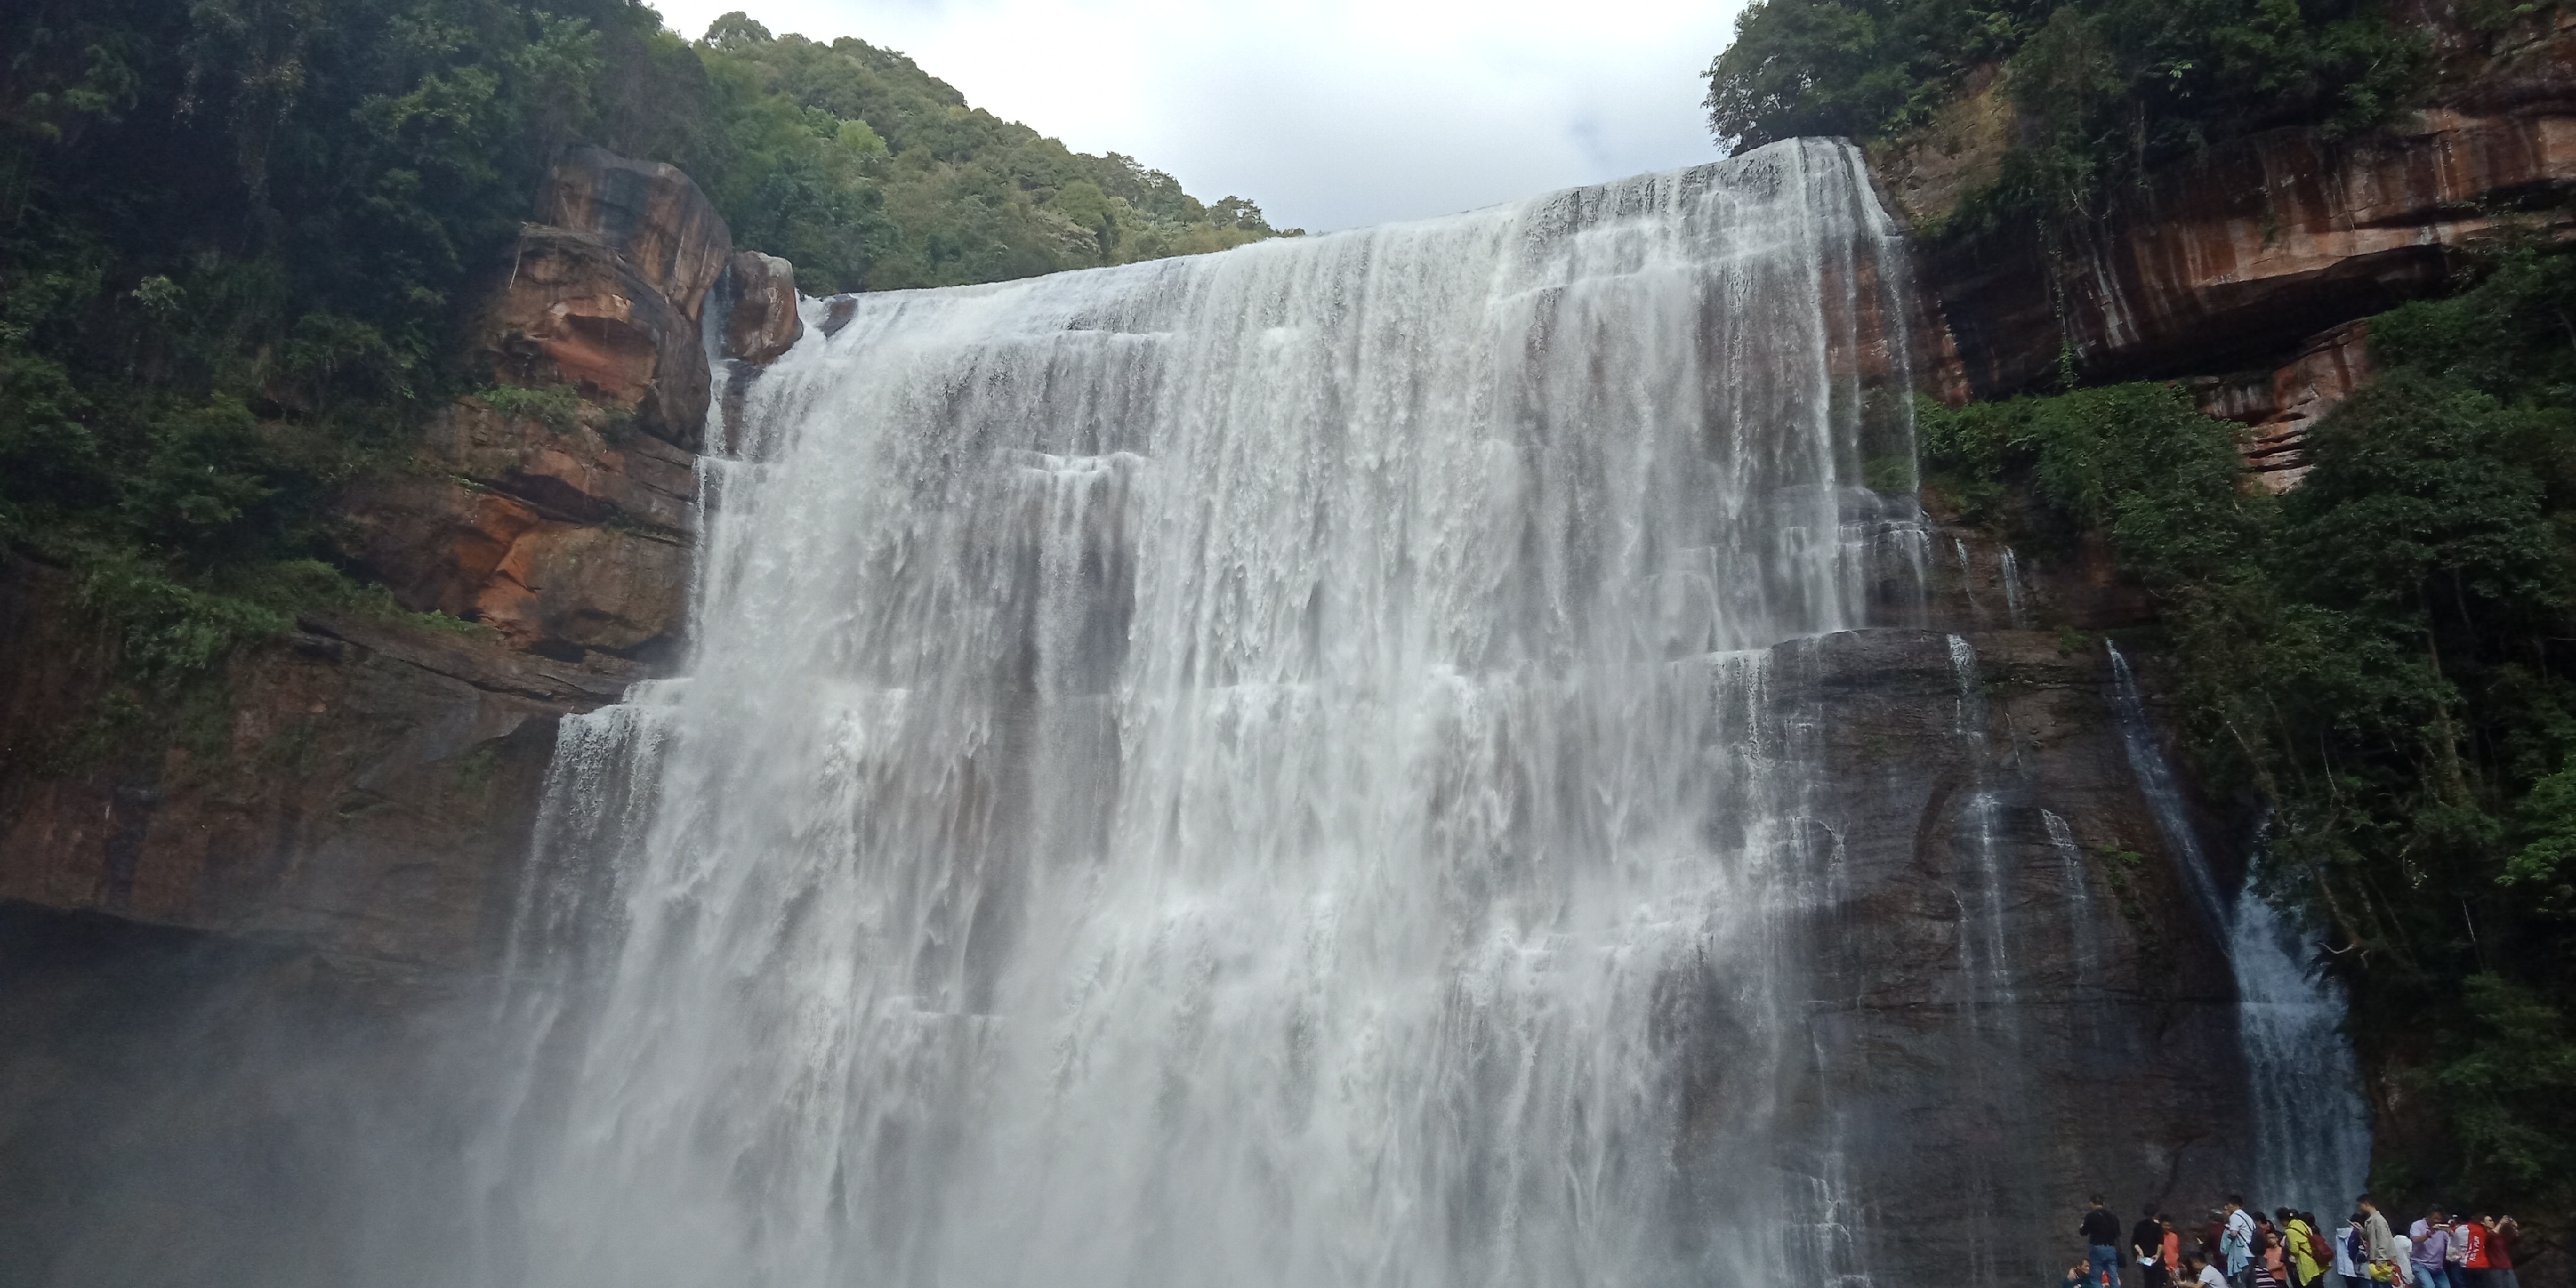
(2430, 1261)
(2206, 1275)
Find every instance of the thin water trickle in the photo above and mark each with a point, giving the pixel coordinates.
(2079, 895)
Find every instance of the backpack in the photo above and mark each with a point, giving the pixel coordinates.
(2317, 1250)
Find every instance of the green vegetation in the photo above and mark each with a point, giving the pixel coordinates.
(871, 174)
(2102, 90)
(2382, 658)
(238, 237)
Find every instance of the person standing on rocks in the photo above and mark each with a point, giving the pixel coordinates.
(2502, 1233)
(2380, 1247)
(2476, 1259)
(2147, 1244)
(2236, 1242)
(2308, 1254)
(2430, 1258)
(2101, 1232)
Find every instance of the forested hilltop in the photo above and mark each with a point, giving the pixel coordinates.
(2372, 666)
(238, 239)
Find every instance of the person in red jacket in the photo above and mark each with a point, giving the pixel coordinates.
(2474, 1236)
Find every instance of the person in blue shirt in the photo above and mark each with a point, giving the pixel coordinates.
(2237, 1243)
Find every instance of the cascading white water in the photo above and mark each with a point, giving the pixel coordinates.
(1253, 769)
(2311, 1145)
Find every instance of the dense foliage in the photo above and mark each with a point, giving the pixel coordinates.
(869, 173)
(2381, 658)
(237, 238)
(2102, 90)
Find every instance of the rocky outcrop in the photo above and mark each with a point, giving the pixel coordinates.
(2238, 259)
(574, 314)
(650, 214)
(757, 296)
(362, 788)
(607, 294)
(564, 537)
(567, 529)
(2279, 407)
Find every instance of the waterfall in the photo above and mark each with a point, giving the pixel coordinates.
(2311, 1146)
(1249, 769)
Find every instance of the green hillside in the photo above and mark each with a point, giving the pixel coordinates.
(238, 237)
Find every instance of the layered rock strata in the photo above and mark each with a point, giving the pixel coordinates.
(364, 789)
(2241, 272)
(360, 787)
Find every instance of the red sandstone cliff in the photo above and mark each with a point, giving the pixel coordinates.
(2243, 271)
(365, 787)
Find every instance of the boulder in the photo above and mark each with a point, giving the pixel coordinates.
(651, 215)
(574, 312)
(584, 469)
(567, 588)
(549, 586)
(757, 299)
(563, 538)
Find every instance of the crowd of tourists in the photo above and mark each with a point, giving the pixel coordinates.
(2239, 1247)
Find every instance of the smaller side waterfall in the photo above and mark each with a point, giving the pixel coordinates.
(2311, 1146)
(2079, 894)
(2014, 609)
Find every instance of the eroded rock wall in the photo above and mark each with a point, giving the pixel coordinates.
(2242, 272)
(358, 788)
(365, 788)
(2012, 1001)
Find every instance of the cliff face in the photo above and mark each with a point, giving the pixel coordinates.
(365, 788)
(2013, 1003)
(2243, 272)
(360, 800)
(2248, 277)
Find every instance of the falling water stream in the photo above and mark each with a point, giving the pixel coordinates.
(1261, 769)
(2311, 1146)
(1251, 769)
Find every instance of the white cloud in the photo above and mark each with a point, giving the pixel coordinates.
(1330, 113)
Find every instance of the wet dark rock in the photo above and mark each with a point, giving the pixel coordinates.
(758, 299)
(361, 788)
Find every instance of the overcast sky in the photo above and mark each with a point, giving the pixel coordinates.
(1330, 113)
